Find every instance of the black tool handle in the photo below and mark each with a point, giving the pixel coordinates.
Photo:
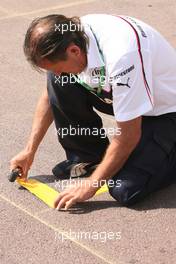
(14, 174)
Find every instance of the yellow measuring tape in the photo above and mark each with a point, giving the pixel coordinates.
(45, 193)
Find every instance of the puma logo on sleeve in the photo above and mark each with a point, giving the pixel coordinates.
(124, 84)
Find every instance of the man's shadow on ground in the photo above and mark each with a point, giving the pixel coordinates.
(165, 198)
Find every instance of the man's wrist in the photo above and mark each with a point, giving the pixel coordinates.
(96, 184)
(30, 150)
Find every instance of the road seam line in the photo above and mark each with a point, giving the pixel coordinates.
(52, 227)
(6, 11)
(49, 9)
(43, 211)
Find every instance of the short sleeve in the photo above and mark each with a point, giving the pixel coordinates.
(131, 80)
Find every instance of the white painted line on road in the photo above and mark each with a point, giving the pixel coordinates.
(43, 211)
(51, 8)
(56, 229)
(6, 11)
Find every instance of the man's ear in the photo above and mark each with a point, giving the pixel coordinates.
(73, 50)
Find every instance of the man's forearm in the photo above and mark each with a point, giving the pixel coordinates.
(118, 151)
(42, 120)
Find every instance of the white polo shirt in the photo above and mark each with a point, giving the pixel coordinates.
(140, 65)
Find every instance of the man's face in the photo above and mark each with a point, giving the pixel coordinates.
(75, 63)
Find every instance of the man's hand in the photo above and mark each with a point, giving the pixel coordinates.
(42, 120)
(23, 160)
(73, 195)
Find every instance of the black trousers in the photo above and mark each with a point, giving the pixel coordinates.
(152, 164)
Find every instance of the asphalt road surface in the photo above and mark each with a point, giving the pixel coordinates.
(30, 232)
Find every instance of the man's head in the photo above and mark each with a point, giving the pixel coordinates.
(56, 43)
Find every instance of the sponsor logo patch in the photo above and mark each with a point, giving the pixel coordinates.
(123, 73)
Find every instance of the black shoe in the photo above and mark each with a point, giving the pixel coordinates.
(71, 169)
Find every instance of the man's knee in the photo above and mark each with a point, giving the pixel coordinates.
(127, 192)
(120, 193)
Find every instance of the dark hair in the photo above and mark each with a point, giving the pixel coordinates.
(51, 43)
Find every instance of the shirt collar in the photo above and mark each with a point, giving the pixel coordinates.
(94, 58)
